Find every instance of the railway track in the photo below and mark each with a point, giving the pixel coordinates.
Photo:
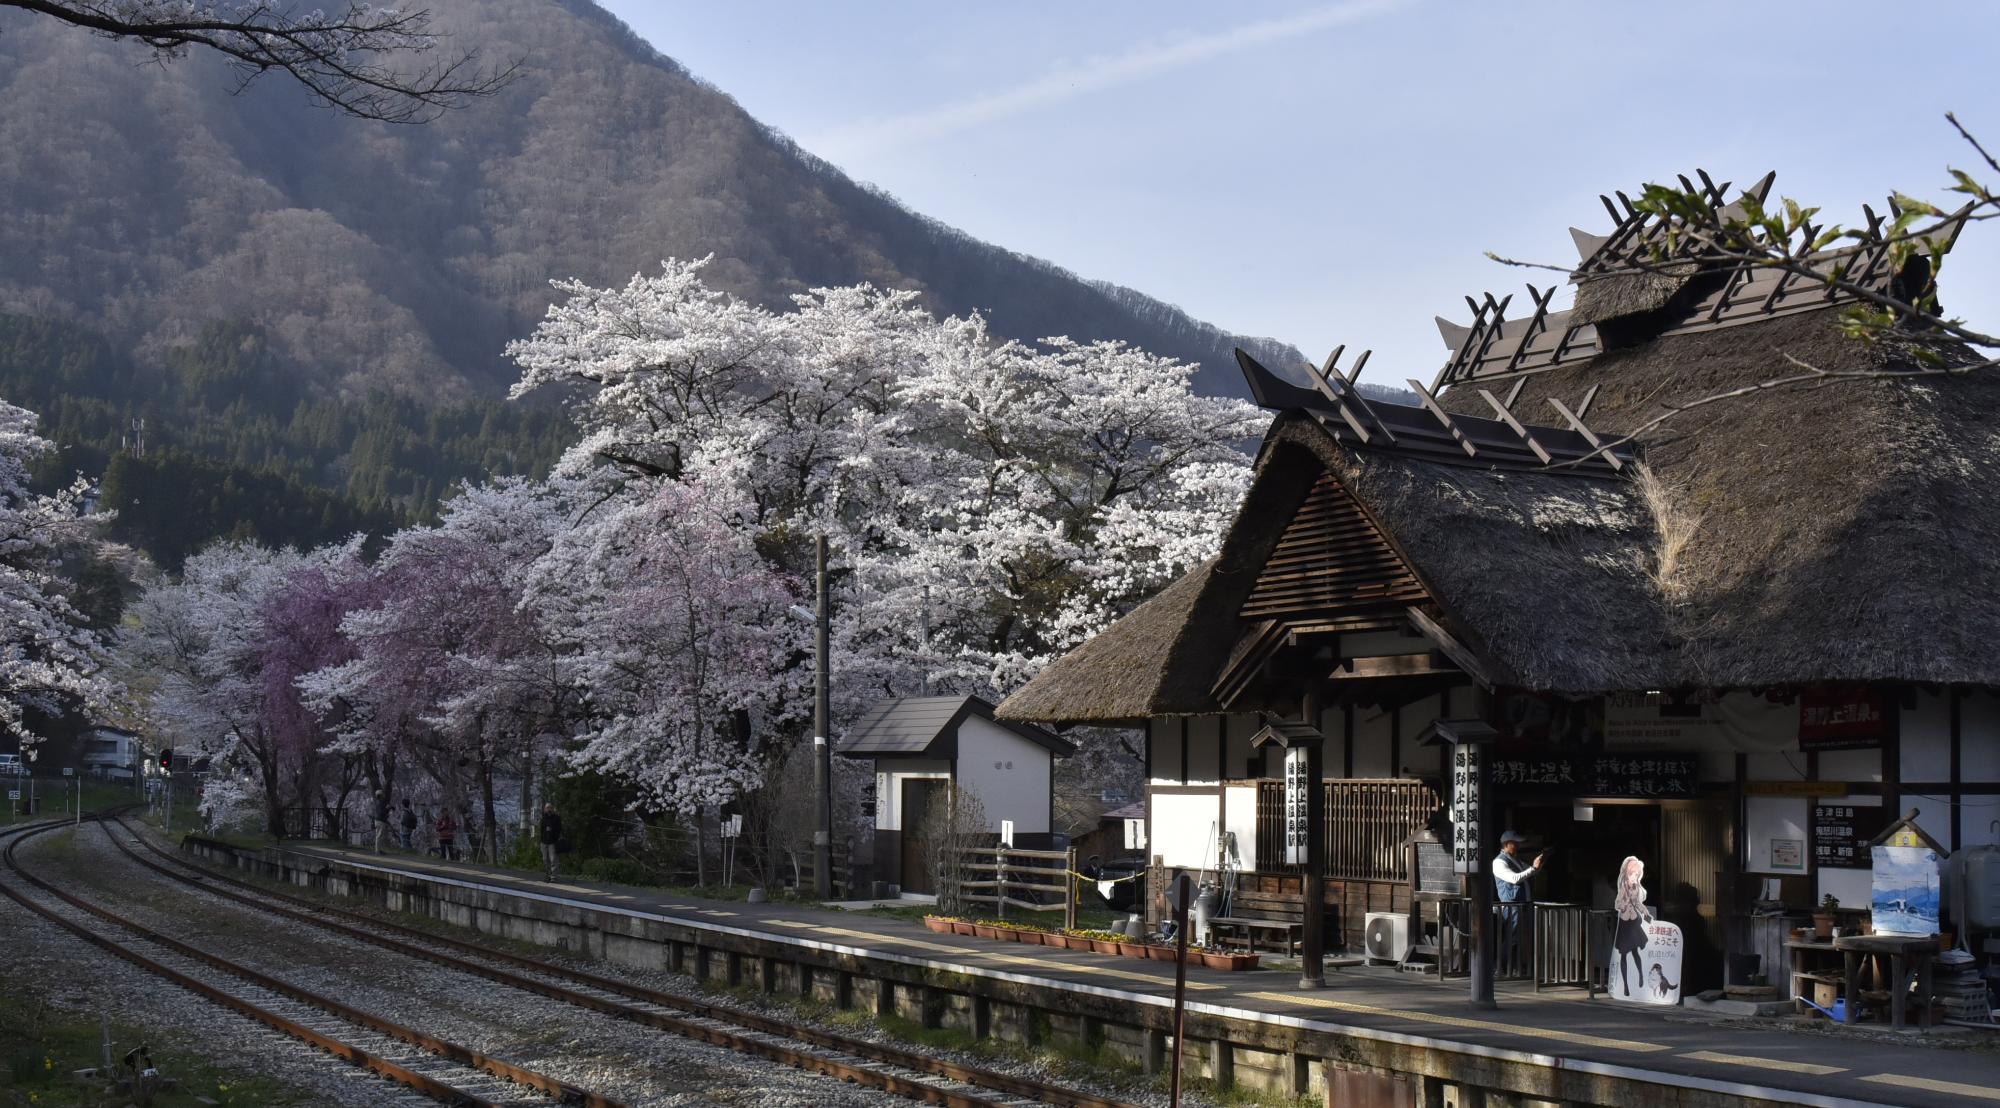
(437, 1069)
(891, 1069)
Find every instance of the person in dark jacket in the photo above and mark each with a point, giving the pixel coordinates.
(409, 826)
(447, 833)
(551, 834)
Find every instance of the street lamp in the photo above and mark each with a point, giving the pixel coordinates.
(822, 750)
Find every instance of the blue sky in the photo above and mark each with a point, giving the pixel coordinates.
(1332, 173)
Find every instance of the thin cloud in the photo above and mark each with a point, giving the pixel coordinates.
(1095, 75)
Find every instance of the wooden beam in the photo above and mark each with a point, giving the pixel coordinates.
(1500, 411)
(1448, 644)
(1576, 423)
(1391, 665)
(1444, 417)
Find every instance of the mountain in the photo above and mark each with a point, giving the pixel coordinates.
(150, 206)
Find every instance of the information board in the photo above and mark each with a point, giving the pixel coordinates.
(1841, 833)
(1296, 824)
(1435, 875)
(1465, 808)
(1609, 775)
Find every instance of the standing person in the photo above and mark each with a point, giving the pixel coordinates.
(471, 825)
(1511, 875)
(409, 826)
(551, 834)
(447, 832)
(381, 812)
(1630, 905)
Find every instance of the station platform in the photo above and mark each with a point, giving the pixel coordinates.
(1716, 1060)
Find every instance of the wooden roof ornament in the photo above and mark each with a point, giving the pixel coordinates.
(1659, 268)
(1430, 432)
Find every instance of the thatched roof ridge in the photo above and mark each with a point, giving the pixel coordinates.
(1847, 531)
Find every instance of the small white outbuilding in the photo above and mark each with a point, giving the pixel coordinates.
(925, 746)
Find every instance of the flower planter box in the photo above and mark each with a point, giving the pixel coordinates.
(1160, 953)
(1215, 961)
(1104, 946)
(963, 927)
(1132, 950)
(1075, 942)
(938, 924)
(1035, 938)
(985, 931)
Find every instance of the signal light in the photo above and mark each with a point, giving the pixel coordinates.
(167, 760)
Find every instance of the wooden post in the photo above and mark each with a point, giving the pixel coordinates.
(1000, 881)
(1312, 914)
(1069, 888)
(1481, 882)
(1183, 893)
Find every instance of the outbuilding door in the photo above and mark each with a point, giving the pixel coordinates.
(918, 795)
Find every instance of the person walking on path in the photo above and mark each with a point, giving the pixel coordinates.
(551, 835)
(381, 813)
(447, 833)
(409, 826)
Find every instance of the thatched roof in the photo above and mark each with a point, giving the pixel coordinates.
(1844, 532)
(1849, 531)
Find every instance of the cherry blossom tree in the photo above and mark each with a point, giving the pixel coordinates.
(678, 629)
(49, 661)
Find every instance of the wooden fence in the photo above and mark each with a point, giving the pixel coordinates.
(1368, 823)
(806, 874)
(1044, 875)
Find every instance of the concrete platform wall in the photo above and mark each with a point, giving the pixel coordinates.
(1375, 1071)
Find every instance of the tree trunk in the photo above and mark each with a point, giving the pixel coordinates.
(274, 805)
(492, 829)
(528, 805)
(700, 850)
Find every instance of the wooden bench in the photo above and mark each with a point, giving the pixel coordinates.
(1256, 914)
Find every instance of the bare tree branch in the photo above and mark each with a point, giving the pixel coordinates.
(349, 59)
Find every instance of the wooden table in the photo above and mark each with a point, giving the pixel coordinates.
(1910, 956)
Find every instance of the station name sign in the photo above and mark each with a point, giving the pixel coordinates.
(1647, 775)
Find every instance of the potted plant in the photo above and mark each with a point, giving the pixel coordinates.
(1132, 948)
(1160, 953)
(963, 927)
(1215, 959)
(984, 930)
(939, 924)
(1823, 917)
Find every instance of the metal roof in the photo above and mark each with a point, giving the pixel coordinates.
(927, 726)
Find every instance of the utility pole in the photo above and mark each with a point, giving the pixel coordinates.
(822, 749)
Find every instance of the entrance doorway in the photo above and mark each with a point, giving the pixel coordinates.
(919, 794)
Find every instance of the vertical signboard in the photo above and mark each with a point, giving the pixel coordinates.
(1296, 827)
(1465, 808)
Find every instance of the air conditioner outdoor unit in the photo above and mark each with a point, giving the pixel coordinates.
(1388, 936)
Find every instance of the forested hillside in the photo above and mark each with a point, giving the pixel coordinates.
(148, 204)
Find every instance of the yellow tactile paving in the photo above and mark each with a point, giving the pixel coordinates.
(1507, 1028)
(1762, 1063)
(1933, 1085)
(1092, 968)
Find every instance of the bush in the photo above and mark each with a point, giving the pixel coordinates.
(618, 871)
(523, 853)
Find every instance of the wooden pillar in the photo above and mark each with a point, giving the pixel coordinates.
(1312, 917)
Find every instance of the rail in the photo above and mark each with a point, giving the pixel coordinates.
(427, 1083)
(817, 1051)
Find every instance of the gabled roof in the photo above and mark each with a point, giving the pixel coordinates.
(927, 727)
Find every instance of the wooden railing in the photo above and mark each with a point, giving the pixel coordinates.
(1368, 823)
(1042, 878)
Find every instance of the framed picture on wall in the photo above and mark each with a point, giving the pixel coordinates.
(1789, 854)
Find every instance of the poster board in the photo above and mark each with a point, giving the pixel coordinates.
(1841, 831)
(1432, 873)
(1651, 973)
(1906, 890)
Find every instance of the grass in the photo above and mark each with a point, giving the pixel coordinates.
(58, 797)
(42, 1047)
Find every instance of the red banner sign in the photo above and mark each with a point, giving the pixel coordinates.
(1830, 719)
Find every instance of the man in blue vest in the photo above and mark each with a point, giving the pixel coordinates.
(1511, 874)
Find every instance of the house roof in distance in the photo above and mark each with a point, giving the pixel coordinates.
(927, 727)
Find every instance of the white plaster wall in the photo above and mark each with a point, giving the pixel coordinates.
(1416, 718)
(1777, 817)
(1978, 744)
(1371, 744)
(1165, 737)
(1184, 827)
(1926, 738)
(1236, 755)
(889, 778)
(1240, 814)
(1204, 756)
(1009, 774)
(1332, 724)
(1851, 765)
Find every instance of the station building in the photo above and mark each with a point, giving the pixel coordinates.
(1735, 646)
